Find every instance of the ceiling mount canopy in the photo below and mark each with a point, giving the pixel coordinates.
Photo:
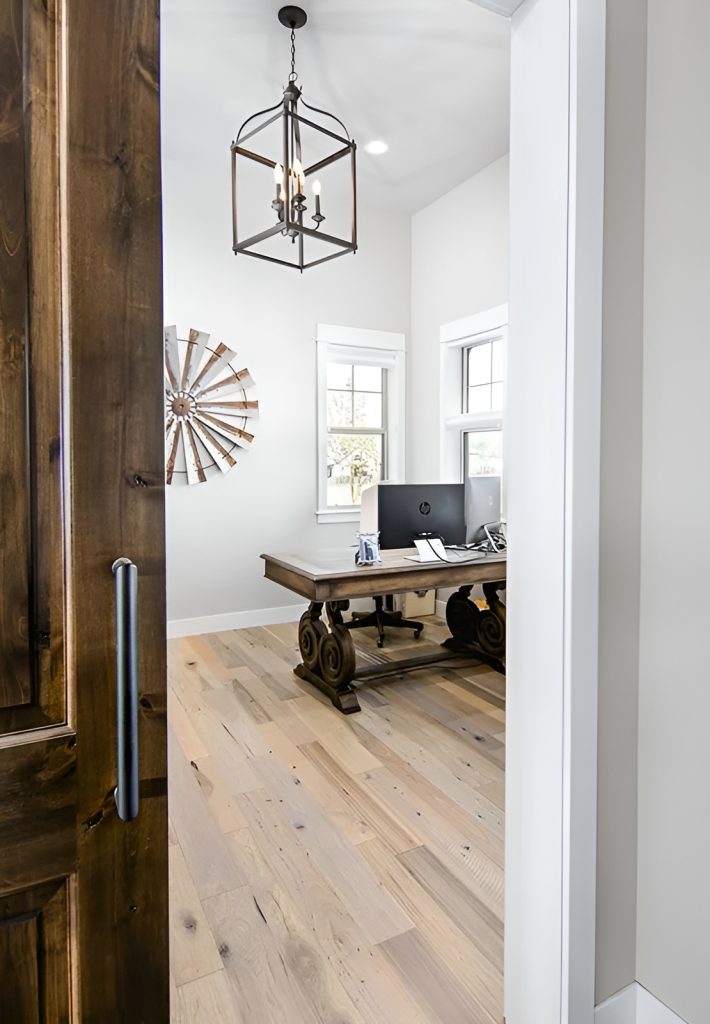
(271, 211)
(293, 17)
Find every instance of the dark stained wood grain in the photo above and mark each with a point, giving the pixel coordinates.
(32, 691)
(37, 812)
(33, 938)
(19, 992)
(81, 403)
(45, 357)
(115, 312)
(15, 674)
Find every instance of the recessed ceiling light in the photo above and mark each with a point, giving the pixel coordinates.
(376, 147)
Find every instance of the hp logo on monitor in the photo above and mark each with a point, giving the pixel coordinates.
(425, 508)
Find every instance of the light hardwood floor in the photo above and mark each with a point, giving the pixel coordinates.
(329, 869)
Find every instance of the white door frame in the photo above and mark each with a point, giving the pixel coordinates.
(552, 457)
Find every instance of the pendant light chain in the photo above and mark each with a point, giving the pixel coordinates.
(293, 76)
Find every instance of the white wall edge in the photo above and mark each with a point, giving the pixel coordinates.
(235, 620)
(635, 1005)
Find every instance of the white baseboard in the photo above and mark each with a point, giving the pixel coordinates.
(652, 1011)
(619, 1009)
(635, 1005)
(235, 620)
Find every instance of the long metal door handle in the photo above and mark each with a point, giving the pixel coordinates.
(126, 792)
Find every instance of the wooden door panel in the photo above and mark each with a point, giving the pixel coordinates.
(115, 289)
(83, 895)
(37, 812)
(33, 930)
(32, 680)
(15, 675)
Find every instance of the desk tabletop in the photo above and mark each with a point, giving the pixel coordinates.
(330, 574)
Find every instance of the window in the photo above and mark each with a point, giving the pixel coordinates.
(483, 453)
(483, 376)
(360, 416)
(472, 395)
(357, 436)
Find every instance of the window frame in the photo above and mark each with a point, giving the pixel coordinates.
(351, 345)
(456, 339)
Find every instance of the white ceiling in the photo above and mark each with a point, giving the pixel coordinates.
(430, 77)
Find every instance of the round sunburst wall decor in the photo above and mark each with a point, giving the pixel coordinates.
(207, 411)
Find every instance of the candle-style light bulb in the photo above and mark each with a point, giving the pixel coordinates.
(317, 216)
(278, 203)
(299, 176)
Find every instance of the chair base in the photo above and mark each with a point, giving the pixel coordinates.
(382, 617)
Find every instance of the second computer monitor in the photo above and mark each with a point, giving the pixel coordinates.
(482, 506)
(409, 510)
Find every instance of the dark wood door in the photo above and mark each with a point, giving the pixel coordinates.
(83, 895)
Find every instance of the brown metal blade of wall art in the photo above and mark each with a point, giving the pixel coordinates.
(207, 408)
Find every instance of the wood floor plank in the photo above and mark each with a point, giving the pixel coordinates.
(338, 860)
(435, 986)
(382, 821)
(191, 743)
(466, 860)
(481, 822)
(334, 870)
(336, 734)
(211, 864)
(206, 1000)
(261, 978)
(471, 800)
(480, 976)
(483, 927)
(318, 784)
(219, 794)
(327, 915)
(419, 735)
(193, 953)
(308, 965)
(369, 979)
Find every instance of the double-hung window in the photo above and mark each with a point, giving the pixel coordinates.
(473, 356)
(360, 416)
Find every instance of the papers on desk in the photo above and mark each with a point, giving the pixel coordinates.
(433, 550)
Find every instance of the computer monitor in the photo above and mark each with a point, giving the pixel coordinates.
(482, 506)
(405, 511)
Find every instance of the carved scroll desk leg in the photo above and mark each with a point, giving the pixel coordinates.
(328, 655)
(474, 631)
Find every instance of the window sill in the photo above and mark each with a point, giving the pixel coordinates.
(333, 515)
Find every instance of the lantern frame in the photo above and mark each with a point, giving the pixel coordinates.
(291, 225)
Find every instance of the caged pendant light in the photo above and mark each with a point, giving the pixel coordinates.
(296, 219)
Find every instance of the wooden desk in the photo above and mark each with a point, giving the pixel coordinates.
(330, 579)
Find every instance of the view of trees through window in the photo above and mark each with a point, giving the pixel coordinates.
(483, 452)
(356, 431)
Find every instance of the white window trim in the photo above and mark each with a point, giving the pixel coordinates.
(380, 348)
(454, 337)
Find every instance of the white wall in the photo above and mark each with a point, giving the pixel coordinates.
(620, 509)
(217, 530)
(459, 267)
(674, 697)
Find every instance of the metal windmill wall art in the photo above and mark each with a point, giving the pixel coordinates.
(208, 414)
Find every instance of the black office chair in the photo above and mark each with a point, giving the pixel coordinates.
(384, 615)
